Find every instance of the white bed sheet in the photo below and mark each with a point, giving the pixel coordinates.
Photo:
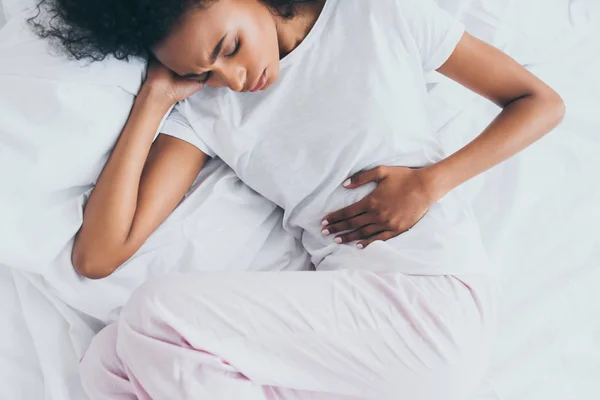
(539, 219)
(539, 216)
(19, 367)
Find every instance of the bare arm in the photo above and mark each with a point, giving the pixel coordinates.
(140, 186)
(531, 109)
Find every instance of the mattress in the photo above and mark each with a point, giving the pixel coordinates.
(538, 215)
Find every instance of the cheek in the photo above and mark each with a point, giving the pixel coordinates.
(253, 54)
(261, 37)
(269, 34)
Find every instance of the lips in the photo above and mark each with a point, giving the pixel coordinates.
(262, 81)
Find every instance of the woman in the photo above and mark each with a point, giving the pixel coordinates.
(400, 307)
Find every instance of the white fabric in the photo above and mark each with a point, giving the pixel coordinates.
(563, 26)
(297, 142)
(352, 335)
(539, 216)
(539, 221)
(58, 123)
(13, 7)
(21, 375)
(222, 225)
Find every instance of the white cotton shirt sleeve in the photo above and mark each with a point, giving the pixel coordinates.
(178, 126)
(435, 32)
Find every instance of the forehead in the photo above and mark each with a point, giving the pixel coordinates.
(190, 45)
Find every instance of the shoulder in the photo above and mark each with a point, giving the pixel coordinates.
(401, 9)
(382, 15)
(210, 94)
(391, 8)
(204, 105)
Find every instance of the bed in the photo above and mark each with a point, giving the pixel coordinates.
(538, 214)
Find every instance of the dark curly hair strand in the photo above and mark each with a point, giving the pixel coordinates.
(96, 29)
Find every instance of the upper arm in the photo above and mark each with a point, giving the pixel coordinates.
(491, 73)
(169, 172)
(443, 45)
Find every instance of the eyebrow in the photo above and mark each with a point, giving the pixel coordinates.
(213, 58)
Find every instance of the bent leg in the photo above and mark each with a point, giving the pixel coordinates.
(316, 335)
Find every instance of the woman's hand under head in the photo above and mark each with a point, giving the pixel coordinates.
(168, 87)
(402, 197)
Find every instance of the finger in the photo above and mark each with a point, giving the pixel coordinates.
(351, 211)
(362, 178)
(383, 236)
(363, 233)
(192, 86)
(349, 224)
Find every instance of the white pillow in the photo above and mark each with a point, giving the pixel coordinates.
(14, 7)
(59, 120)
(58, 123)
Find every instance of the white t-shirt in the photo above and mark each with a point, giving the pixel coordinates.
(350, 97)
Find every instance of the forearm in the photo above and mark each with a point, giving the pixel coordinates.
(110, 211)
(520, 124)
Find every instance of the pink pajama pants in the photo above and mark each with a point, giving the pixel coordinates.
(295, 335)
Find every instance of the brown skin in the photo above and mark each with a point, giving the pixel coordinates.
(531, 109)
(144, 181)
(253, 42)
(140, 185)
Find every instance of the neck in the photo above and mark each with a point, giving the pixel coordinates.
(291, 32)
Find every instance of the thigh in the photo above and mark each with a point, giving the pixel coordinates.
(350, 333)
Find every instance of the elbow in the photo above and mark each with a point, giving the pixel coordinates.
(556, 108)
(89, 265)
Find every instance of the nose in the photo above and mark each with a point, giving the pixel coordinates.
(236, 78)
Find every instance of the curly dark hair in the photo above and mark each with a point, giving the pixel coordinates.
(96, 29)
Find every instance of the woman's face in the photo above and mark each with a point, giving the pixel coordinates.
(229, 43)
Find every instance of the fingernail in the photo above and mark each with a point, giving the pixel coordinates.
(325, 232)
(338, 240)
(325, 223)
(347, 182)
(360, 246)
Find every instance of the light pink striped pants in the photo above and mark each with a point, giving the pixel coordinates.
(295, 335)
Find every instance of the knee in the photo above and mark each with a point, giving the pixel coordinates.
(144, 306)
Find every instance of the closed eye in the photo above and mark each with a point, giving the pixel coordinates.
(203, 78)
(235, 50)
